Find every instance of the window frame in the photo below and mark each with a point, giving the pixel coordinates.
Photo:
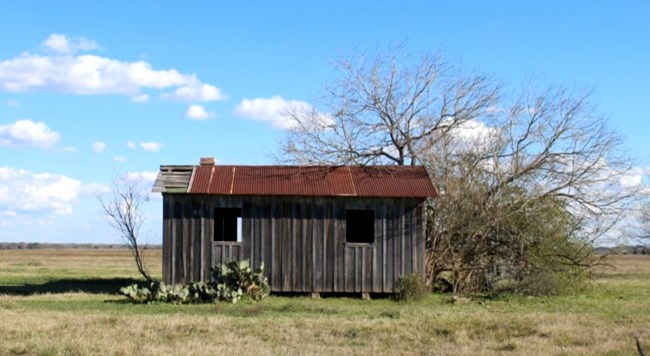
(362, 222)
(227, 225)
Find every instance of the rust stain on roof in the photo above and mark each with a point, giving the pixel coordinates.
(371, 181)
(201, 178)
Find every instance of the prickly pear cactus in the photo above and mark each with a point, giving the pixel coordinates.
(232, 281)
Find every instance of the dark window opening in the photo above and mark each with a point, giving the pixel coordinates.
(227, 224)
(360, 226)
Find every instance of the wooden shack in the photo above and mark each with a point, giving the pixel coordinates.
(316, 228)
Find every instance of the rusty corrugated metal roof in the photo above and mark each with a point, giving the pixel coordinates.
(368, 181)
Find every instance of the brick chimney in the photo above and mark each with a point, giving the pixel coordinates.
(207, 161)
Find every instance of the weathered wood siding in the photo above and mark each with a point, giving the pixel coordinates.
(302, 241)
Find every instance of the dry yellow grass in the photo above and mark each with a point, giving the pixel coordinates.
(603, 321)
(30, 265)
(626, 265)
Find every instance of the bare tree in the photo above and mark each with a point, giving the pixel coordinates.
(548, 171)
(123, 211)
(528, 181)
(386, 110)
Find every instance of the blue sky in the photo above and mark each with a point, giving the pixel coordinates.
(91, 89)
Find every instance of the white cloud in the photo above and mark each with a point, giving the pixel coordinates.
(69, 149)
(143, 98)
(197, 112)
(473, 131)
(99, 147)
(631, 181)
(471, 136)
(28, 133)
(634, 178)
(195, 92)
(131, 145)
(61, 71)
(274, 110)
(151, 146)
(61, 44)
(23, 192)
(120, 159)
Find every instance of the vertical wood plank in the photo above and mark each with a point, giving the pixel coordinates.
(364, 272)
(413, 238)
(286, 245)
(187, 241)
(327, 255)
(391, 250)
(177, 255)
(306, 248)
(190, 241)
(208, 232)
(318, 247)
(384, 241)
(408, 241)
(167, 242)
(267, 245)
(259, 235)
(277, 247)
(201, 222)
(339, 246)
(375, 270)
(198, 242)
(369, 267)
(330, 256)
(297, 238)
(421, 238)
(349, 269)
(246, 234)
(399, 245)
(252, 226)
(357, 269)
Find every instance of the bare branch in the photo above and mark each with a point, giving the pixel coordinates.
(387, 110)
(123, 211)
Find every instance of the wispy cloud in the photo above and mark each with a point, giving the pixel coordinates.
(62, 44)
(142, 98)
(151, 146)
(99, 147)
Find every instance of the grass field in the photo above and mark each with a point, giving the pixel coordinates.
(64, 302)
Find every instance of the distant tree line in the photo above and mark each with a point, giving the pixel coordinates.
(630, 250)
(61, 246)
